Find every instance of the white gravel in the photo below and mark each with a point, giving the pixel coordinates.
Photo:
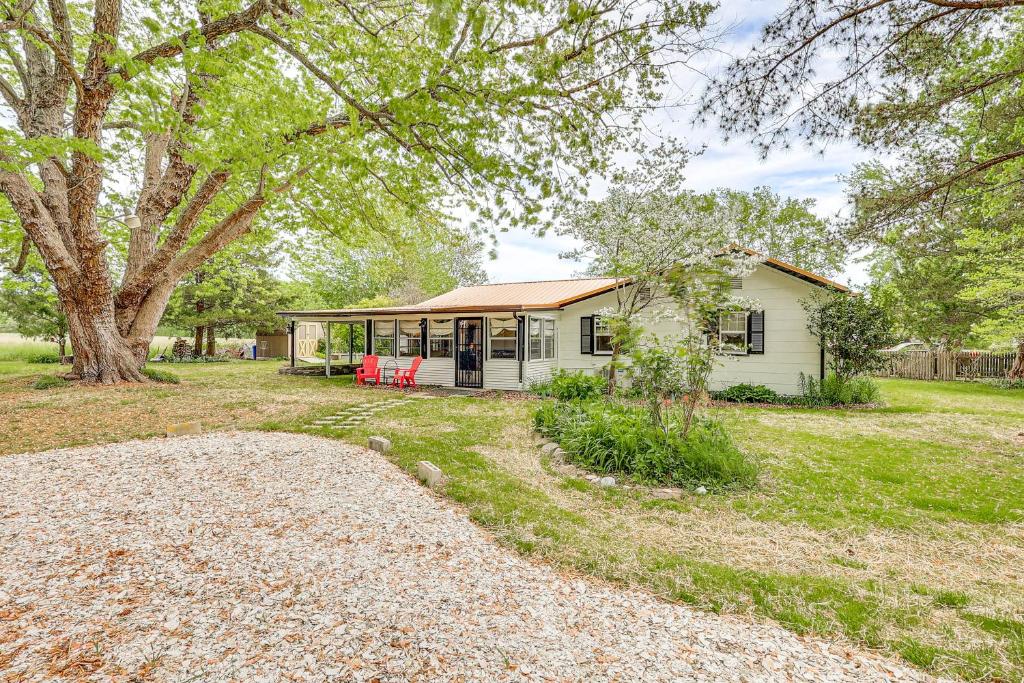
(266, 557)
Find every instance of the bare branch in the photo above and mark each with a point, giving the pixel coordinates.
(63, 58)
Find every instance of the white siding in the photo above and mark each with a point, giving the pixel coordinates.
(789, 347)
(499, 373)
(541, 370)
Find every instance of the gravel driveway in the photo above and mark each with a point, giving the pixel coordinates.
(265, 557)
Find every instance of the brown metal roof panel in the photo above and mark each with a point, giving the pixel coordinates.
(548, 294)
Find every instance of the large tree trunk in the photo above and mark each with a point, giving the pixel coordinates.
(101, 353)
(211, 341)
(1017, 370)
(197, 344)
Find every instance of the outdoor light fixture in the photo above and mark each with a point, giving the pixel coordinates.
(130, 220)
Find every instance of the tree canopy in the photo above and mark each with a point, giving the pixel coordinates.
(933, 86)
(409, 263)
(200, 117)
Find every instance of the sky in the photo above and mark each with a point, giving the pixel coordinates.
(799, 172)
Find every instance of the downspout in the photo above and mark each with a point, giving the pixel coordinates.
(520, 331)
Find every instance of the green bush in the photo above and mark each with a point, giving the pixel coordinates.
(161, 376)
(50, 382)
(833, 391)
(1005, 383)
(572, 386)
(616, 438)
(748, 393)
(43, 358)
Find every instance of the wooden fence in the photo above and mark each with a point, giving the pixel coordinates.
(948, 365)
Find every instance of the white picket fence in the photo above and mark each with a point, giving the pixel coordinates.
(948, 365)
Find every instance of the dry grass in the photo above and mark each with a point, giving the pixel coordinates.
(826, 543)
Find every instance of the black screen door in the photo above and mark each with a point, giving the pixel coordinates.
(469, 352)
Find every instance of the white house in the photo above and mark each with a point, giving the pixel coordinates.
(512, 335)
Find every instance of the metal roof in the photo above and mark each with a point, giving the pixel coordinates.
(535, 295)
(504, 296)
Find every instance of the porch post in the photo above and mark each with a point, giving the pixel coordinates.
(291, 344)
(351, 348)
(327, 355)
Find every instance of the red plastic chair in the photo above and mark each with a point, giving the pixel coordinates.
(407, 378)
(369, 370)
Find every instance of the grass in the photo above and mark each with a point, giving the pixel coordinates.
(897, 528)
(161, 376)
(49, 382)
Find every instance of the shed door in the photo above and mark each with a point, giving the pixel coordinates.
(469, 352)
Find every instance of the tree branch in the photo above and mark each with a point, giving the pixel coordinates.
(232, 23)
(26, 247)
(62, 57)
(135, 287)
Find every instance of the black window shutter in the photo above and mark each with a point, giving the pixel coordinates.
(521, 338)
(587, 334)
(755, 331)
(423, 337)
(369, 337)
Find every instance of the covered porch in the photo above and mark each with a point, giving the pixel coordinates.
(325, 346)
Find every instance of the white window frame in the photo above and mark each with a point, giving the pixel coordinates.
(596, 334)
(403, 340)
(731, 348)
(511, 323)
(377, 326)
(549, 333)
(450, 337)
(538, 337)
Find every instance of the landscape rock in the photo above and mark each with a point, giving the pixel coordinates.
(185, 429)
(380, 444)
(549, 447)
(606, 482)
(429, 473)
(700, 491)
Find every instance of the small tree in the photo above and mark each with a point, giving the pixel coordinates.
(28, 297)
(650, 235)
(234, 293)
(663, 372)
(853, 331)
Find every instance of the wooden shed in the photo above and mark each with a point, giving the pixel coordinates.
(272, 344)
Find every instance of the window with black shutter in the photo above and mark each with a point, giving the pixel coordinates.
(587, 334)
(755, 331)
(424, 343)
(369, 337)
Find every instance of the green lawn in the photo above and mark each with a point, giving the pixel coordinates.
(900, 528)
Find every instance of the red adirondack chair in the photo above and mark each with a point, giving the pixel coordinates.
(369, 370)
(407, 378)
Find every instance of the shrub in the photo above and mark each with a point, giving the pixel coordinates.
(43, 358)
(161, 376)
(572, 386)
(1004, 383)
(834, 391)
(49, 382)
(615, 438)
(748, 393)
